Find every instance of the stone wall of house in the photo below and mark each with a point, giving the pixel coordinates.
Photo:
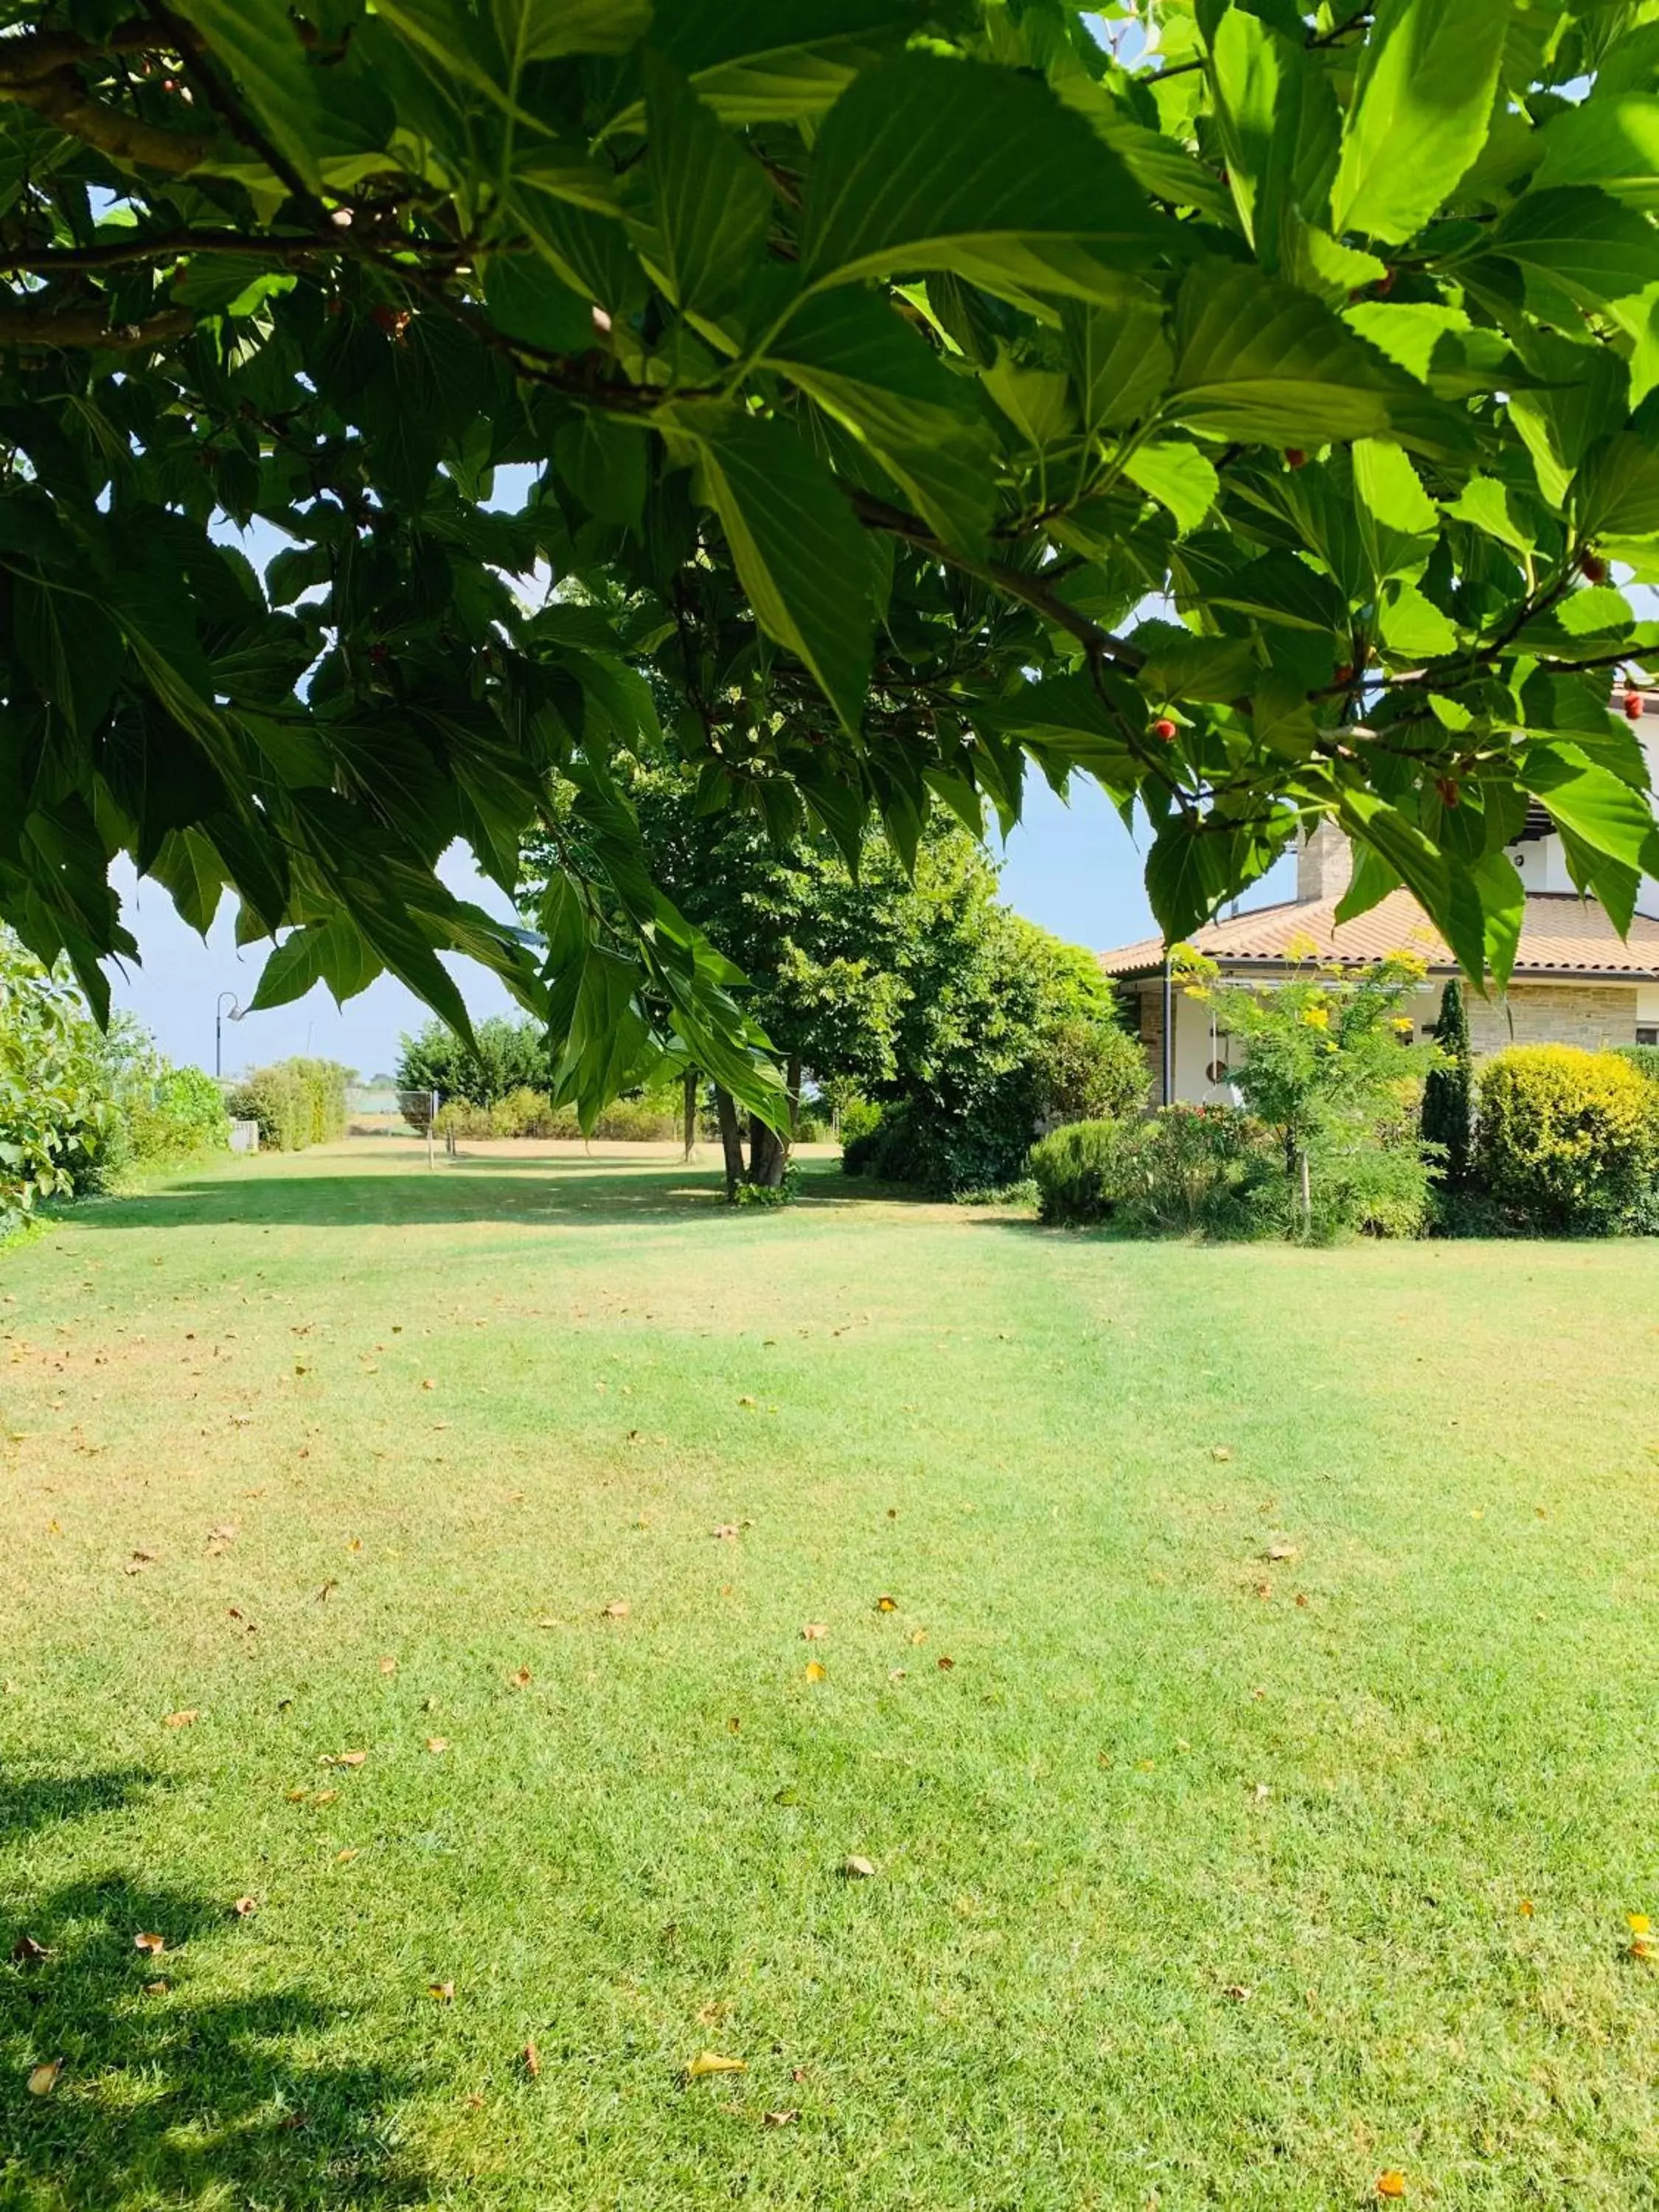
(1593, 1015)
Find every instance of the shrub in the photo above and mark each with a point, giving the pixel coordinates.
(1447, 1116)
(1186, 1171)
(1568, 1141)
(176, 1115)
(859, 1118)
(1080, 1171)
(652, 1118)
(506, 1056)
(296, 1103)
(1645, 1057)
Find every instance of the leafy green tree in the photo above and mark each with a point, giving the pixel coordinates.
(1328, 1062)
(1449, 1092)
(501, 1055)
(874, 363)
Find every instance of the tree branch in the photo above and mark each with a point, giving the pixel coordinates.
(34, 55)
(42, 327)
(61, 99)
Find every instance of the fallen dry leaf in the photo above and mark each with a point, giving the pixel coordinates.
(154, 1945)
(1391, 2182)
(747, 1401)
(918, 1635)
(43, 2079)
(779, 2119)
(857, 1870)
(437, 1744)
(345, 1857)
(1281, 1550)
(1260, 1791)
(157, 1988)
(710, 2062)
(444, 1991)
(727, 1530)
(1264, 1589)
(521, 1680)
(532, 2061)
(473, 2101)
(617, 1609)
(1238, 1992)
(26, 1952)
(886, 1605)
(1302, 1597)
(343, 1759)
(735, 1725)
(1526, 1908)
(245, 1908)
(944, 1664)
(324, 1797)
(816, 1671)
(388, 1665)
(1221, 1451)
(186, 1719)
(814, 1632)
(429, 1384)
(896, 1673)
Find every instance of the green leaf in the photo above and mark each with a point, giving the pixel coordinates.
(603, 462)
(1580, 395)
(1437, 345)
(1488, 505)
(527, 300)
(1279, 125)
(1181, 665)
(258, 42)
(1422, 103)
(799, 551)
(1035, 400)
(1178, 476)
(329, 952)
(755, 61)
(1399, 523)
(711, 200)
(188, 867)
(1615, 490)
(1599, 808)
(933, 164)
(1119, 359)
(541, 30)
(1611, 141)
(1257, 360)
(1185, 879)
(1413, 626)
(1583, 240)
(883, 383)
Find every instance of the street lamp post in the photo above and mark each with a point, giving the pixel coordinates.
(236, 1014)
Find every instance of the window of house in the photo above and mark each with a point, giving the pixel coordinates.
(1647, 1033)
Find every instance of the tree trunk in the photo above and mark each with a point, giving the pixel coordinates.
(769, 1155)
(692, 1080)
(731, 1138)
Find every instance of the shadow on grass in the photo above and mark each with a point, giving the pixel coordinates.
(35, 1801)
(566, 1194)
(171, 2098)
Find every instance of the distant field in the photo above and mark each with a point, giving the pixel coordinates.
(1239, 1671)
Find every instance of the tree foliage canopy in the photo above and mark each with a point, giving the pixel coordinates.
(876, 362)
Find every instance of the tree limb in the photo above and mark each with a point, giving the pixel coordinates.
(61, 99)
(33, 327)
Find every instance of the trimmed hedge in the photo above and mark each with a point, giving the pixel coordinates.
(1569, 1140)
(297, 1102)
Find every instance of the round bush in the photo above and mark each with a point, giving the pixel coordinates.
(1569, 1140)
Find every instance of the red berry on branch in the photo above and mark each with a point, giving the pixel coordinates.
(1165, 728)
(1449, 792)
(1344, 674)
(1595, 568)
(1634, 704)
(379, 655)
(1384, 284)
(1295, 457)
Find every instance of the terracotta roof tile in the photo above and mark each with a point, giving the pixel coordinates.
(1561, 934)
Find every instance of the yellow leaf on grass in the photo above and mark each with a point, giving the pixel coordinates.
(437, 1744)
(186, 1719)
(1638, 1923)
(814, 1631)
(245, 1908)
(1391, 2182)
(43, 2079)
(532, 2061)
(388, 1665)
(886, 1605)
(816, 1671)
(617, 1609)
(154, 1944)
(710, 2062)
(1526, 1908)
(343, 1759)
(444, 1991)
(519, 1681)
(345, 1857)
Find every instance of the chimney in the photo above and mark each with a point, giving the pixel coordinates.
(1324, 863)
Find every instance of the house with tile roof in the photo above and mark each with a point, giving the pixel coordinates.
(1575, 980)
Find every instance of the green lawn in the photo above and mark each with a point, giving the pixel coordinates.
(1200, 1875)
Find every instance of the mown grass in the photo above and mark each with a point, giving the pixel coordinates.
(1200, 1875)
